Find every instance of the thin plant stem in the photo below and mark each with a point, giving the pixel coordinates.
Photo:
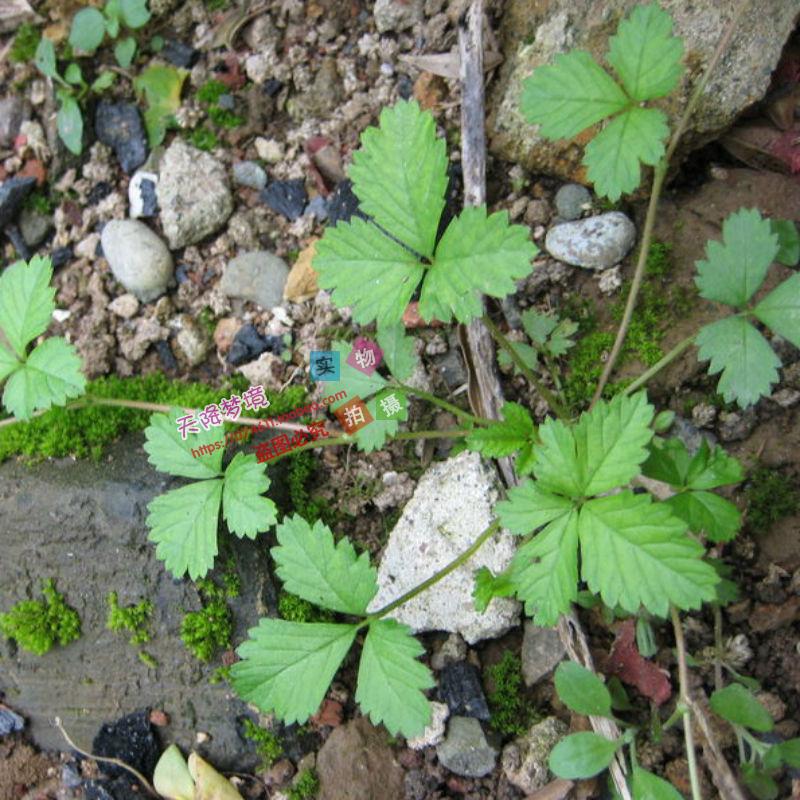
(460, 559)
(437, 401)
(116, 761)
(665, 361)
(718, 647)
(546, 394)
(659, 175)
(685, 701)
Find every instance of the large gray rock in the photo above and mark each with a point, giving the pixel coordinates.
(258, 276)
(83, 524)
(595, 242)
(524, 760)
(139, 260)
(193, 194)
(451, 506)
(533, 32)
(465, 750)
(542, 649)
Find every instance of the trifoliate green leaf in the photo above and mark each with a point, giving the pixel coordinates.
(87, 31)
(569, 96)
(537, 325)
(645, 54)
(391, 679)
(488, 586)
(69, 121)
(398, 350)
(506, 437)
(614, 156)
(367, 270)
(581, 690)
(8, 363)
(560, 339)
(611, 442)
(635, 552)
(246, 512)
(330, 575)
(735, 704)
(582, 755)
(788, 241)
(286, 667)
(351, 380)
(647, 786)
(780, 310)
(529, 507)
(477, 254)
(544, 571)
(748, 364)
(709, 468)
(400, 175)
(183, 524)
(26, 301)
(707, 512)
(51, 375)
(735, 267)
(169, 453)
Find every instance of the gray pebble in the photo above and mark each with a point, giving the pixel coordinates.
(12, 113)
(258, 276)
(248, 173)
(142, 195)
(34, 226)
(139, 260)
(571, 200)
(595, 242)
(465, 750)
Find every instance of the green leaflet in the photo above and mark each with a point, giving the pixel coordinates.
(581, 690)
(570, 96)
(647, 786)
(391, 679)
(529, 507)
(286, 667)
(50, 375)
(737, 705)
(400, 175)
(748, 364)
(515, 432)
(645, 54)
(398, 350)
(544, 571)
(26, 301)
(704, 511)
(780, 310)
(183, 524)
(478, 253)
(734, 268)
(327, 574)
(169, 453)
(788, 241)
(581, 755)
(88, 30)
(613, 157)
(246, 512)
(636, 553)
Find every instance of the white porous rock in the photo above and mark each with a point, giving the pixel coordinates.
(451, 507)
(434, 733)
(139, 260)
(193, 194)
(595, 242)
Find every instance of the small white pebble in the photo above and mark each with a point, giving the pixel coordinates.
(61, 314)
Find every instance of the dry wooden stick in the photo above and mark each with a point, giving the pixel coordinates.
(486, 393)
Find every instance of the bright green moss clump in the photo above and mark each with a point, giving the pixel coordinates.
(305, 787)
(83, 432)
(36, 626)
(295, 609)
(206, 631)
(134, 619)
(268, 745)
(25, 43)
(511, 712)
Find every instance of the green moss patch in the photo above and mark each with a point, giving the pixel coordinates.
(512, 714)
(36, 625)
(770, 496)
(268, 745)
(135, 619)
